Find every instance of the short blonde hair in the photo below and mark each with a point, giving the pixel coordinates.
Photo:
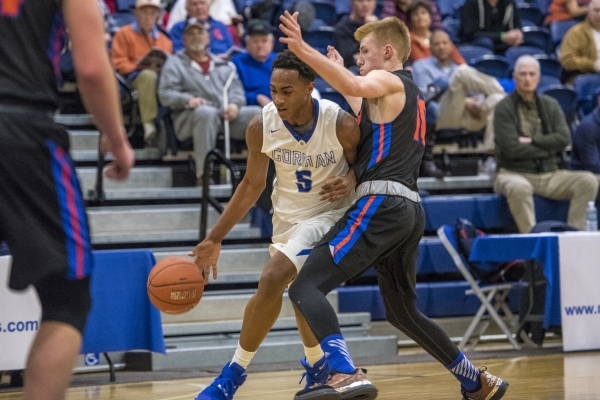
(389, 30)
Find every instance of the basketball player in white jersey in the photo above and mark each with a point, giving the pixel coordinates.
(313, 145)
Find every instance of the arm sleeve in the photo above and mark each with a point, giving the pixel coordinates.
(170, 91)
(570, 53)
(118, 54)
(506, 131)
(559, 135)
(588, 146)
(177, 36)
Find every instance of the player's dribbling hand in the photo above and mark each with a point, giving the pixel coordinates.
(119, 168)
(334, 55)
(206, 254)
(337, 187)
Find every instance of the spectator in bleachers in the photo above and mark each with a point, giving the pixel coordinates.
(254, 67)
(495, 24)
(130, 45)
(221, 10)
(469, 101)
(530, 130)
(220, 37)
(361, 12)
(563, 10)
(399, 9)
(585, 153)
(192, 84)
(419, 16)
(579, 51)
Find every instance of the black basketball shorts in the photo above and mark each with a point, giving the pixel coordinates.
(382, 231)
(42, 215)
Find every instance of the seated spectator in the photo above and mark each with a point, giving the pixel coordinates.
(494, 24)
(192, 86)
(254, 67)
(130, 45)
(564, 10)
(419, 16)
(579, 49)
(585, 153)
(399, 9)
(361, 12)
(530, 130)
(220, 37)
(221, 10)
(469, 101)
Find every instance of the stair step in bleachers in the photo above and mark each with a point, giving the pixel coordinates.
(155, 223)
(139, 178)
(215, 351)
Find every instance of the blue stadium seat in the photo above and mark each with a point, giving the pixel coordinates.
(449, 8)
(546, 81)
(566, 97)
(470, 52)
(325, 11)
(125, 5)
(537, 36)
(549, 65)
(496, 66)
(513, 53)
(585, 86)
(331, 94)
(320, 38)
(531, 13)
(452, 27)
(559, 29)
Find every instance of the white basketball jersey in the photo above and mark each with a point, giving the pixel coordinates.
(302, 164)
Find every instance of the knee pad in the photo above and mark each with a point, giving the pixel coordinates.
(65, 300)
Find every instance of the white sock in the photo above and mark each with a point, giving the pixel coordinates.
(313, 354)
(242, 357)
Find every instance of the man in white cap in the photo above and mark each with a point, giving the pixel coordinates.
(130, 45)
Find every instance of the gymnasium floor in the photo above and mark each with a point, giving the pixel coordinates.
(545, 373)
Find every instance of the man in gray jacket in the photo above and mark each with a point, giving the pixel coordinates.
(530, 130)
(192, 84)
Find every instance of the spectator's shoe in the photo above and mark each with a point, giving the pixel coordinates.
(225, 385)
(492, 387)
(315, 375)
(346, 386)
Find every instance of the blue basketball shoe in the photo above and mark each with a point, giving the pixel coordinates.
(317, 374)
(225, 385)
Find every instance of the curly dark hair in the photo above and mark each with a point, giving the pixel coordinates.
(288, 60)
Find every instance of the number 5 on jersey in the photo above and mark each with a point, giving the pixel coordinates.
(303, 181)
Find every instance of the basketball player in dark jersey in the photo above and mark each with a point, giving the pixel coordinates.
(42, 217)
(384, 226)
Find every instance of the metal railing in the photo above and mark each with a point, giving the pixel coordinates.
(234, 172)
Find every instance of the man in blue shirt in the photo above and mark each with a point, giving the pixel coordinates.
(220, 38)
(254, 67)
(471, 95)
(586, 142)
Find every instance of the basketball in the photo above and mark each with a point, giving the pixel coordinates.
(175, 285)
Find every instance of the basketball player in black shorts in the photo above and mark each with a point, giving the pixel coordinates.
(42, 217)
(383, 228)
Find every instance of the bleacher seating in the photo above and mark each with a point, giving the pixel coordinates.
(532, 13)
(585, 86)
(320, 38)
(325, 11)
(559, 29)
(513, 53)
(496, 66)
(549, 65)
(471, 52)
(566, 97)
(537, 36)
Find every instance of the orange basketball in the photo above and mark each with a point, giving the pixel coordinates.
(175, 285)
